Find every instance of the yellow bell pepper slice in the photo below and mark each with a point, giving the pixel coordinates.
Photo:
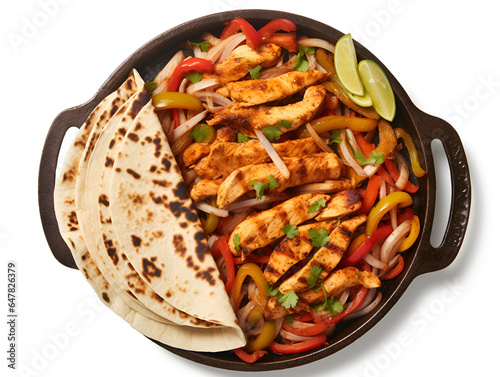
(176, 100)
(254, 271)
(264, 339)
(412, 237)
(387, 138)
(336, 122)
(401, 198)
(410, 145)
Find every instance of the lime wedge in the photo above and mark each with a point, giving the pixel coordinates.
(364, 101)
(378, 87)
(346, 65)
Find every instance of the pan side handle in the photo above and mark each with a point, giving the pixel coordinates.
(436, 258)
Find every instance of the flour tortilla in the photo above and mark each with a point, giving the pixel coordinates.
(213, 339)
(155, 221)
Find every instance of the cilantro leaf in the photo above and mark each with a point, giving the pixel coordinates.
(374, 158)
(242, 138)
(255, 72)
(271, 291)
(284, 123)
(302, 64)
(236, 240)
(272, 182)
(290, 230)
(319, 237)
(315, 206)
(315, 275)
(271, 133)
(199, 133)
(330, 304)
(259, 188)
(288, 300)
(204, 46)
(194, 77)
(150, 86)
(289, 319)
(335, 138)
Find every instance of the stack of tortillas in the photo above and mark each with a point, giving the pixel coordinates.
(123, 209)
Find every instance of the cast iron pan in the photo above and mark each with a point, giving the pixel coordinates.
(423, 128)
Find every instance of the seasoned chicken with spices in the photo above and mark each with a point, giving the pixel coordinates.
(205, 188)
(224, 158)
(326, 257)
(265, 227)
(314, 168)
(196, 151)
(341, 204)
(248, 118)
(256, 92)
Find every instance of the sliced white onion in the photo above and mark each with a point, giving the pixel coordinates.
(224, 48)
(370, 294)
(269, 73)
(388, 248)
(215, 97)
(295, 338)
(348, 156)
(344, 296)
(266, 144)
(318, 140)
(317, 42)
(368, 309)
(166, 72)
(232, 223)
(244, 312)
(404, 172)
(189, 176)
(210, 38)
(202, 206)
(212, 240)
(374, 262)
(239, 37)
(187, 126)
(382, 193)
(204, 84)
(313, 188)
(248, 203)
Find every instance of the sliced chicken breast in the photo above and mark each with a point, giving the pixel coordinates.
(341, 204)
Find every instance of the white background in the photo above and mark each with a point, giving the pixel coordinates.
(444, 53)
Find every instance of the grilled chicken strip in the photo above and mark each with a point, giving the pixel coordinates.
(205, 188)
(224, 158)
(195, 151)
(338, 281)
(264, 227)
(292, 250)
(326, 257)
(341, 204)
(275, 310)
(248, 118)
(257, 92)
(237, 64)
(313, 168)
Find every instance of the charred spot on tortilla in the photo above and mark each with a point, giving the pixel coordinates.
(69, 175)
(136, 241)
(112, 143)
(122, 131)
(133, 173)
(118, 170)
(184, 225)
(162, 183)
(132, 136)
(111, 251)
(180, 191)
(179, 245)
(207, 275)
(105, 297)
(103, 199)
(152, 169)
(166, 163)
(109, 162)
(149, 269)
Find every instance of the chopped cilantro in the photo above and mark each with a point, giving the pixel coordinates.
(335, 138)
(302, 64)
(242, 138)
(290, 230)
(319, 237)
(194, 77)
(271, 291)
(272, 182)
(271, 133)
(315, 275)
(199, 133)
(288, 300)
(315, 206)
(374, 158)
(289, 319)
(204, 46)
(255, 72)
(150, 86)
(236, 240)
(358, 275)
(330, 304)
(284, 123)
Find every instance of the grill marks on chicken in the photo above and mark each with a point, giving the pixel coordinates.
(343, 203)
(196, 151)
(313, 168)
(326, 257)
(248, 118)
(224, 158)
(256, 92)
(265, 227)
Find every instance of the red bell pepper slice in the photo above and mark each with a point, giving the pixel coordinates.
(365, 247)
(249, 357)
(273, 26)
(394, 172)
(306, 331)
(371, 193)
(353, 305)
(298, 347)
(237, 24)
(188, 65)
(395, 271)
(287, 41)
(221, 247)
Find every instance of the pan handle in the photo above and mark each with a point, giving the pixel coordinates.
(436, 258)
(74, 116)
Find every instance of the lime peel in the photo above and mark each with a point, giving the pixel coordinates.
(346, 65)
